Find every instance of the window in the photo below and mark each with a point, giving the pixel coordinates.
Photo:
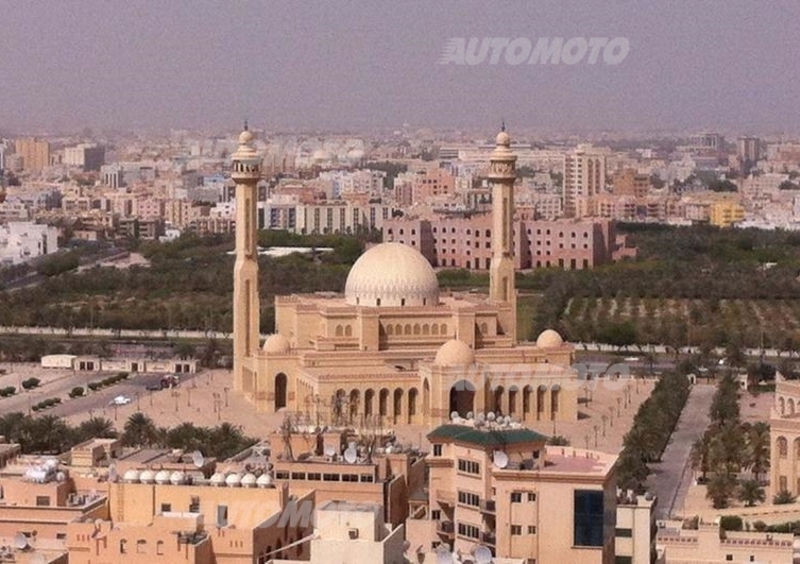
(516, 497)
(282, 475)
(194, 505)
(468, 498)
(330, 477)
(166, 507)
(349, 477)
(141, 546)
(315, 476)
(42, 501)
(531, 529)
(623, 533)
(588, 520)
(123, 546)
(469, 467)
(437, 450)
(470, 531)
(368, 478)
(160, 548)
(222, 515)
(623, 560)
(516, 529)
(436, 514)
(729, 557)
(298, 475)
(531, 496)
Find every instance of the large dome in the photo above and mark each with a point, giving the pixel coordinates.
(276, 344)
(392, 274)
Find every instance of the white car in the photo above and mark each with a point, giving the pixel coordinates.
(121, 400)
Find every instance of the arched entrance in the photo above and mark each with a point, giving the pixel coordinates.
(281, 385)
(462, 398)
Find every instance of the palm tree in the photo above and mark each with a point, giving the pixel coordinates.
(751, 492)
(720, 489)
(758, 448)
(139, 430)
(96, 427)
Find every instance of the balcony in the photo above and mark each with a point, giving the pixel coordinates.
(488, 537)
(488, 506)
(446, 528)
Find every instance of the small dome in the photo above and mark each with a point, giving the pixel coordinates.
(162, 477)
(131, 476)
(392, 274)
(503, 139)
(549, 339)
(454, 353)
(249, 481)
(264, 480)
(177, 478)
(245, 137)
(233, 481)
(276, 344)
(147, 477)
(217, 479)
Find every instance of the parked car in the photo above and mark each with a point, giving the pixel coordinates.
(121, 400)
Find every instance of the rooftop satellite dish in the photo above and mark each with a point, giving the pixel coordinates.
(454, 415)
(507, 420)
(490, 416)
(500, 459)
(481, 416)
(20, 541)
(482, 554)
(470, 415)
(197, 459)
(350, 455)
(329, 450)
(444, 556)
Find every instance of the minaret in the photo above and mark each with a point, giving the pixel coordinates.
(246, 319)
(501, 275)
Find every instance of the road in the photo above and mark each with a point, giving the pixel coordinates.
(59, 384)
(670, 478)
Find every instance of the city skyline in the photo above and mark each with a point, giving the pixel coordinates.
(352, 65)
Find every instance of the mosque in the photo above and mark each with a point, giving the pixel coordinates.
(394, 349)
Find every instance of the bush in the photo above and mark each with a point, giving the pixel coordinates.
(730, 523)
(31, 383)
(77, 392)
(7, 391)
(783, 497)
(759, 526)
(94, 386)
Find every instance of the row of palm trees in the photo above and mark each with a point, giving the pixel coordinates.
(51, 434)
(652, 427)
(734, 454)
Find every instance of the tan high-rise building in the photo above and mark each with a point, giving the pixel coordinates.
(394, 349)
(35, 154)
(584, 178)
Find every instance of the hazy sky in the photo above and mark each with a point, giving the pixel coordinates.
(727, 64)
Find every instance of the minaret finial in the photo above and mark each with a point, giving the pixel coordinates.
(245, 125)
(503, 124)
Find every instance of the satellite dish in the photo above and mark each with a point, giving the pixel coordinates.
(507, 420)
(500, 459)
(20, 541)
(329, 450)
(470, 415)
(454, 415)
(481, 416)
(444, 556)
(350, 455)
(197, 459)
(482, 554)
(490, 416)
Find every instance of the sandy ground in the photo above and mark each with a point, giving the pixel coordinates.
(207, 399)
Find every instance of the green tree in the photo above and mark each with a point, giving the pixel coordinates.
(751, 492)
(721, 489)
(140, 430)
(783, 497)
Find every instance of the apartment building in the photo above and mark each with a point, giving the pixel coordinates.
(584, 178)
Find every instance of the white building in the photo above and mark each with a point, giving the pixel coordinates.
(584, 178)
(21, 241)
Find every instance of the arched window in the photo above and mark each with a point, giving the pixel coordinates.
(426, 329)
(417, 329)
(389, 329)
(783, 447)
(435, 329)
(339, 331)
(444, 329)
(160, 548)
(123, 546)
(348, 331)
(141, 546)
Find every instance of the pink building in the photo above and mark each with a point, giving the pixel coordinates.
(464, 241)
